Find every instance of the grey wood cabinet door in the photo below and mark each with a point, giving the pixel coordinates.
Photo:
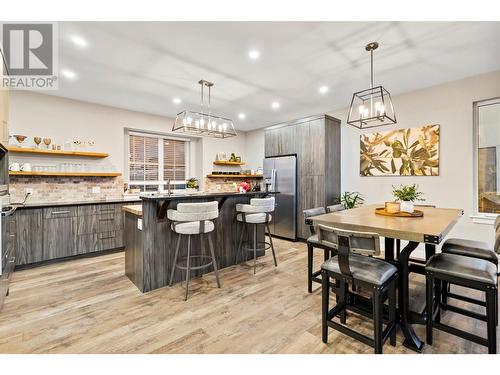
(29, 224)
(59, 237)
(271, 142)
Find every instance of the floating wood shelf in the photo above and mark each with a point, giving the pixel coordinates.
(234, 176)
(57, 152)
(67, 174)
(222, 162)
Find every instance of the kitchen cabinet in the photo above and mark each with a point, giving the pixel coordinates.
(29, 224)
(64, 231)
(316, 142)
(59, 233)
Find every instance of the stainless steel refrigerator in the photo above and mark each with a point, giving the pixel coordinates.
(280, 174)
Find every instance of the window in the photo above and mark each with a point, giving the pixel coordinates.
(487, 136)
(155, 159)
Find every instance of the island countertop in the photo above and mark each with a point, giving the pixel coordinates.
(203, 195)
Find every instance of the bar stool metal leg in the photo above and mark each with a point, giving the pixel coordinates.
(175, 260)
(272, 245)
(490, 320)
(309, 267)
(325, 293)
(377, 320)
(238, 251)
(216, 270)
(188, 267)
(254, 248)
(392, 311)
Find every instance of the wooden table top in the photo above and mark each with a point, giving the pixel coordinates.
(430, 228)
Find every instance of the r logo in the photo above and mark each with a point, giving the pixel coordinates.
(28, 48)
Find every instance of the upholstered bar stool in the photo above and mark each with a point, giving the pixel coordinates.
(350, 267)
(194, 219)
(258, 212)
(477, 274)
(475, 250)
(313, 242)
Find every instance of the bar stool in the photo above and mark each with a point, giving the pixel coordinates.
(258, 212)
(477, 274)
(313, 243)
(194, 219)
(349, 267)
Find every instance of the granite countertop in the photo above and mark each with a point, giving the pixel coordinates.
(75, 202)
(135, 209)
(205, 195)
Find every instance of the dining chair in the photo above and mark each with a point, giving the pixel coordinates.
(312, 243)
(470, 273)
(351, 267)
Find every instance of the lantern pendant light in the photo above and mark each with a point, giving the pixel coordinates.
(204, 123)
(371, 107)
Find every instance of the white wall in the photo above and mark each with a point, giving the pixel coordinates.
(61, 119)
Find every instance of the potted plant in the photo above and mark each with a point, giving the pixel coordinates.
(351, 199)
(407, 194)
(192, 185)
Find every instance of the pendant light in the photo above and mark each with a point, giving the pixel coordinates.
(371, 107)
(204, 123)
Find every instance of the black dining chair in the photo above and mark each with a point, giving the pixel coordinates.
(351, 267)
(312, 243)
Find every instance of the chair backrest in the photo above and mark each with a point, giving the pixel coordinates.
(335, 208)
(348, 241)
(194, 211)
(311, 213)
(263, 204)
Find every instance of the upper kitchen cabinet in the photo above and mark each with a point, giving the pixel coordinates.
(316, 142)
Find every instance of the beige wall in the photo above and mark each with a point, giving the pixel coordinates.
(63, 119)
(449, 105)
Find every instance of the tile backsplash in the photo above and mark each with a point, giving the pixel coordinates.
(59, 189)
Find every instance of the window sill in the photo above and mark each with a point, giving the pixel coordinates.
(483, 219)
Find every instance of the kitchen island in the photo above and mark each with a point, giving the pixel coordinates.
(150, 242)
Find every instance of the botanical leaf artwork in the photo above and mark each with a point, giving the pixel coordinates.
(401, 152)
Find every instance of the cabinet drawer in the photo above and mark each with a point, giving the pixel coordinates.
(58, 212)
(98, 223)
(95, 209)
(110, 240)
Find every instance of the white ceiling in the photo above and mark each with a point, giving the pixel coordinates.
(142, 66)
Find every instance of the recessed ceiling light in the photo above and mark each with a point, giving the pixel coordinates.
(177, 101)
(79, 41)
(68, 74)
(275, 105)
(254, 54)
(323, 89)
(241, 116)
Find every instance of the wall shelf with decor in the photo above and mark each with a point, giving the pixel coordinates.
(235, 176)
(66, 174)
(221, 162)
(88, 154)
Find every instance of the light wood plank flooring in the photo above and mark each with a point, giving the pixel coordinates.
(89, 306)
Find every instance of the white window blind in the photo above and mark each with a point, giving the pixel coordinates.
(154, 159)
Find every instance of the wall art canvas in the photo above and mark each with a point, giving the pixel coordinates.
(401, 152)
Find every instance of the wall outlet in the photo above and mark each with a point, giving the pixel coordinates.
(96, 189)
(28, 191)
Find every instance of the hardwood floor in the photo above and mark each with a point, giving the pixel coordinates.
(90, 306)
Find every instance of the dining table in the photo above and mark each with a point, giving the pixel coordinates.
(428, 229)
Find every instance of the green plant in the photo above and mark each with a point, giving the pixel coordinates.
(408, 193)
(351, 199)
(192, 183)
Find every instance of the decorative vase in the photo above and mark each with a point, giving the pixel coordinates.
(407, 206)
